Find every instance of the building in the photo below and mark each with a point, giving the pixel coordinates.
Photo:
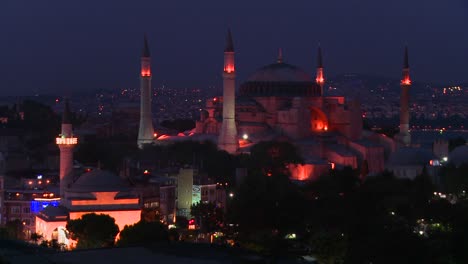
(282, 101)
(95, 191)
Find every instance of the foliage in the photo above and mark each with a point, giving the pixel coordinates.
(208, 216)
(456, 142)
(53, 244)
(181, 222)
(454, 179)
(218, 165)
(272, 157)
(13, 230)
(150, 215)
(36, 237)
(143, 233)
(93, 230)
(328, 246)
(108, 152)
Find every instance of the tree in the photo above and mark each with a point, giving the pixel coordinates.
(36, 237)
(15, 229)
(272, 157)
(93, 230)
(208, 216)
(143, 233)
(329, 247)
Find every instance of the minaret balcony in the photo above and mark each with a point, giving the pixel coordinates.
(66, 141)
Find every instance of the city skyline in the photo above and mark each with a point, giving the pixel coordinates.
(70, 47)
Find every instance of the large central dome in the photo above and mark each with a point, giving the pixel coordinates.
(280, 79)
(280, 72)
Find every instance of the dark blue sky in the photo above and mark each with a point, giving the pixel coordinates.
(52, 45)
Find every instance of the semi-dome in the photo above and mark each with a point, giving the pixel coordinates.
(280, 79)
(99, 180)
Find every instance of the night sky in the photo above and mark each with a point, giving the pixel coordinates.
(61, 46)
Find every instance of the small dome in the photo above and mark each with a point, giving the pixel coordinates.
(99, 180)
(459, 155)
(280, 72)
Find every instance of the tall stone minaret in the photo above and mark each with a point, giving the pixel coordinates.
(146, 131)
(404, 137)
(228, 135)
(320, 79)
(66, 143)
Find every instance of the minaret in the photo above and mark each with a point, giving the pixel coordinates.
(404, 136)
(320, 79)
(280, 56)
(66, 143)
(146, 131)
(228, 135)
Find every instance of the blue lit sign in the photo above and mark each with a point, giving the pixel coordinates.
(37, 206)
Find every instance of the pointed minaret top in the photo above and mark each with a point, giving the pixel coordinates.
(280, 55)
(146, 52)
(66, 118)
(229, 45)
(319, 57)
(405, 60)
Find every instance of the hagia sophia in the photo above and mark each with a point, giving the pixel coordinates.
(280, 101)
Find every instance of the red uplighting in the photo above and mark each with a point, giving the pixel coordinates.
(145, 72)
(269, 174)
(146, 172)
(155, 134)
(406, 81)
(215, 99)
(320, 79)
(332, 165)
(229, 68)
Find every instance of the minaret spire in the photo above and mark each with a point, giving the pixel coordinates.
(319, 57)
(404, 137)
(405, 60)
(146, 130)
(146, 52)
(227, 139)
(229, 43)
(320, 79)
(280, 55)
(66, 118)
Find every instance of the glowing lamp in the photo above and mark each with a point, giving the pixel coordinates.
(245, 136)
(146, 172)
(320, 80)
(145, 73)
(406, 81)
(332, 165)
(229, 68)
(155, 134)
(66, 141)
(325, 128)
